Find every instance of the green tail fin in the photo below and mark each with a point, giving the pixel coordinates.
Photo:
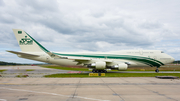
(27, 43)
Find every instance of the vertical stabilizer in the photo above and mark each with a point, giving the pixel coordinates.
(27, 43)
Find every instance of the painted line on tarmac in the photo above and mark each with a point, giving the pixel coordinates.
(52, 94)
(3, 100)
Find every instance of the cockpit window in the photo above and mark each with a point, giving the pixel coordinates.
(162, 52)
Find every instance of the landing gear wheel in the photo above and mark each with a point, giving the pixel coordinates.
(157, 70)
(105, 71)
(93, 70)
(99, 71)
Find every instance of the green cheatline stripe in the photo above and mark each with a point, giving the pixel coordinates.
(147, 61)
(133, 57)
(150, 59)
(44, 49)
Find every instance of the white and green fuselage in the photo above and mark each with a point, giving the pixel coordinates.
(120, 60)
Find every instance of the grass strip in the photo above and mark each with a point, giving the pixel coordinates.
(2, 70)
(22, 76)
(29, 69)
(171, 68)
(67, 68)
(81, 75)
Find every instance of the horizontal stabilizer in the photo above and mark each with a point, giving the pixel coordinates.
(23, 54)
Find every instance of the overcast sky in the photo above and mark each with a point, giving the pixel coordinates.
(91, 25)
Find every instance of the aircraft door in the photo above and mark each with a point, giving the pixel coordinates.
(155, 57)
(141, 52)
(47, 59)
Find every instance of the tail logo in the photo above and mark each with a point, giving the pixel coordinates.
(25, 41)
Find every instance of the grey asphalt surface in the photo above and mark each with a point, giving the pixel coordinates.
(36, 88)
(13, 71)
(89, 89)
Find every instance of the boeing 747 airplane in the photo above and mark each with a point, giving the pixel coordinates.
(97, 61)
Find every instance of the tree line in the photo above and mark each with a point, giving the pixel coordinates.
(9, 63)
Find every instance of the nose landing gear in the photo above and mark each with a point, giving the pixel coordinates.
(157, 70)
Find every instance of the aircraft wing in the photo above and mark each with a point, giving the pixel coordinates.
(86, 60)
(82, 60)
(23, 54)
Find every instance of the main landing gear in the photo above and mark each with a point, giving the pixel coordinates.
(99, 71)
(157, 70)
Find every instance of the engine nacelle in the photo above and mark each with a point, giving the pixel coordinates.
(98, 65)
(121, 66)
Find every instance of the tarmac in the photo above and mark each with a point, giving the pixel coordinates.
(37, 71)
(84, 89)
(89, 89)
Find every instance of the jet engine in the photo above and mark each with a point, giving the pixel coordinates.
(121, 66)
(97, 65)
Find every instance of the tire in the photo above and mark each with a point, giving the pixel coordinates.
(105, 71)
(157, 70)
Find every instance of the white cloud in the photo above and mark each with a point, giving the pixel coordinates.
(94, 25)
